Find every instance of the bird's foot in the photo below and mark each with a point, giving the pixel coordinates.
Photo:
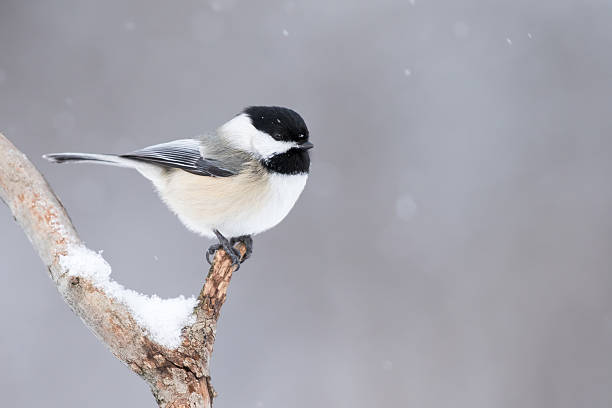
(229, 249)
(211, 251)
(248, 243)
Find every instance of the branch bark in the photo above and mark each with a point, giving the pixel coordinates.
(178, 378)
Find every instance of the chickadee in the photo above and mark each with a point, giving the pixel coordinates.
(238, 181)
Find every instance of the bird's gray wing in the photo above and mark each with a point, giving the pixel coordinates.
(184, 154)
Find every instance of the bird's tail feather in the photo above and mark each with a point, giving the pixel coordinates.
(109, 159)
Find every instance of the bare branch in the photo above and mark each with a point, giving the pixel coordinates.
(178, 377)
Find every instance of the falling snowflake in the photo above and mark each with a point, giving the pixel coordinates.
(387, 365)
(461, 29)
(221, 5)
(405, 207)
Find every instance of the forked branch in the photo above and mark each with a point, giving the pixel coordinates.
(178, 374)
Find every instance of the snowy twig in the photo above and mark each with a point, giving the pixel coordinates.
(167, 342)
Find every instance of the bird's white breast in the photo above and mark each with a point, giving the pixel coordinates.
(245, 204)
(282, 192)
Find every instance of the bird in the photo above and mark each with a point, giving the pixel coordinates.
(229, 184)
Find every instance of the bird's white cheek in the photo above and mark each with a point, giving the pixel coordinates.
(266, 146)
(240, 133)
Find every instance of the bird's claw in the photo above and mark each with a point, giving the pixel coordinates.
(229, 249)
(248, 243)
(211, 251)
(232, 252)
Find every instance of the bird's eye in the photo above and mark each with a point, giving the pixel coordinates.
(277, 136)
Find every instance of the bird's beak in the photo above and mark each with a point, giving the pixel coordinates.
(305, 146)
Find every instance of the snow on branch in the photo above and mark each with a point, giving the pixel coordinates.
(168, 342)
(161, 319)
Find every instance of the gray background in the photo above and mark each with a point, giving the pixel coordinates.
(452, 247)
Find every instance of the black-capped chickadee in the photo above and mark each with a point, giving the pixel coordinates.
(238, 181)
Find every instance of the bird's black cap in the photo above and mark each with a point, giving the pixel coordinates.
(281, 123)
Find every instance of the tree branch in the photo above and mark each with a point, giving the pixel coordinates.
(178, 374)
